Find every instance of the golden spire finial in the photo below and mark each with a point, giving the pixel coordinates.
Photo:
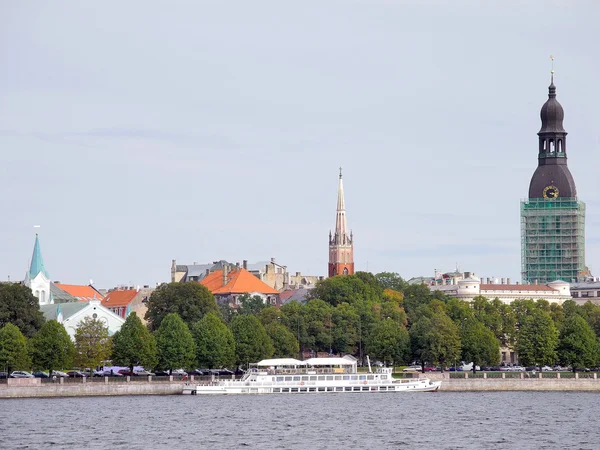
(340, 172)
(552, 67)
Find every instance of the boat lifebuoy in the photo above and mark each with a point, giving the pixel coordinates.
(302, 383)
(365, 382)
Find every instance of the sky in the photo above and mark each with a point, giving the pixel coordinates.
(134, 133)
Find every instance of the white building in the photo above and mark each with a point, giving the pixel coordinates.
(469, 286)
(37, 278)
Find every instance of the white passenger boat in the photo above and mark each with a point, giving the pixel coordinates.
(315, 375)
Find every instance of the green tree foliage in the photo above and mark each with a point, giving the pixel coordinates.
(284, 341)
(319, 324)
(175, 344)
(252, 343)
(345, 329)
(347, 289)
(92, 343)
(271, 314)
(52, 348)
(227, 312)
(388, 342)
(215, 345)
(479, 345)
(537, 338)
(415, 296)
(390, 280)
(419, 340)
(293, 318)
(578, 345)
(20, 307)
(14, 352)
(189, 300)
(251, 304)
(443, 340)
(134, 345)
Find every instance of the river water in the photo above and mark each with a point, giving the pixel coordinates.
(453, 420)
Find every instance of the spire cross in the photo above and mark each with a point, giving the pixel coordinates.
(340, 172)
(552, 64)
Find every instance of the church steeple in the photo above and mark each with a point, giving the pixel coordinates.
(37, 262)
(552, 177)
(341, 246)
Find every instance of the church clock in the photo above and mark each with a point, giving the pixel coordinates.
(550, 192)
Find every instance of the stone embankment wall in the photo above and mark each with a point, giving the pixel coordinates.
(521, 383)
(84, 389)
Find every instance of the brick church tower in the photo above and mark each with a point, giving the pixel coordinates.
(341, 244)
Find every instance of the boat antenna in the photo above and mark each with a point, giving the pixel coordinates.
(369, 364)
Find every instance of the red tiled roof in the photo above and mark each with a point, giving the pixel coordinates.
(239, 281)
(119, 298)
(83, 293)
(516, 287)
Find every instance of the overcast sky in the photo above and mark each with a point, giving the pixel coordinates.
(139, 132)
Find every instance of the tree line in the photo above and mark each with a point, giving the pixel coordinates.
(363, 314)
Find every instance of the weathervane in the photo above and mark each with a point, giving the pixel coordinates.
(340, 172)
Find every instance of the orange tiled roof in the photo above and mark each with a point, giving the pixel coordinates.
(119, 298)
(239, 281)
(515, 287)
(83, 293)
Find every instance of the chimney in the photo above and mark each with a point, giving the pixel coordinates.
(502, 280)
(245, 264)
(272, 260)
(508, 281)
(535, 282)
(237, 266)
(207, 272)
(225, 270)
(195, 263)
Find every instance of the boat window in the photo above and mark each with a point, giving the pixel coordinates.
(339, 389)
(296, 378)
(285, 390)
(294, 389)
(337, 378)
(365, 388)
(313, 378)
(321, 378)
(329, 378)
(362, 377)
(305, 378)
(276, 389)
(280, 379)
(354, 377)
(356, 388)
(347, 388)
(383, 388)
(303, 389)
(384, 377)
(312, 389)
(329, 389)
(346, 377)
(370, 377)
(288, 378)
(322, 389)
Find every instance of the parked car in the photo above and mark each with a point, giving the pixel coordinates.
(93, 373)
(546, 369)
(126, 372)
(532, 369)
(59, 374)
(412, 368)
(430, 369)
(178, 372)
(517, 369)
(495, 369)
(142, 373)
(21, 374)
(41, 374)
(161, 373)
(76, 374)
(199, 372)
(111, 373)
(3, 375)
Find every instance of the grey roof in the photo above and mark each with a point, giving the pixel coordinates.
(585, 285)
(51, 312)
(300, 295)
(197, 270)
(60, 296)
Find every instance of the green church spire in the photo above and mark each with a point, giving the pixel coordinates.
(37, 262)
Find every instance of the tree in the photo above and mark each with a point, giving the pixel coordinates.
(14, 353)
(134, 345)
(20, 307)
(345, 333)
(348, 289)
(443, 341)
(419, 340)
(215, 345)
(92, 343)
(189, 300)
(175, 345)
(479, 345)
(537, 339)
(252, 343)
(284, 341)
(319, 322)
(52, 348)
(251, 304)
(390, 280)
(577, 345)
(388, 342)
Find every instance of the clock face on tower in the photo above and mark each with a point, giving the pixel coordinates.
(550, 192)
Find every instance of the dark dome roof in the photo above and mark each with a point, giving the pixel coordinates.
(552, 113)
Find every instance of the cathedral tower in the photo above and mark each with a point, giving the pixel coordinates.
(552, 218)
(37, 277)
(341, 244)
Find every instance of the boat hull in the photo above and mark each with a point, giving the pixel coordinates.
(240, 387)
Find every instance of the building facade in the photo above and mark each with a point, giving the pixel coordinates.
(552, 217)
(341, 243)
